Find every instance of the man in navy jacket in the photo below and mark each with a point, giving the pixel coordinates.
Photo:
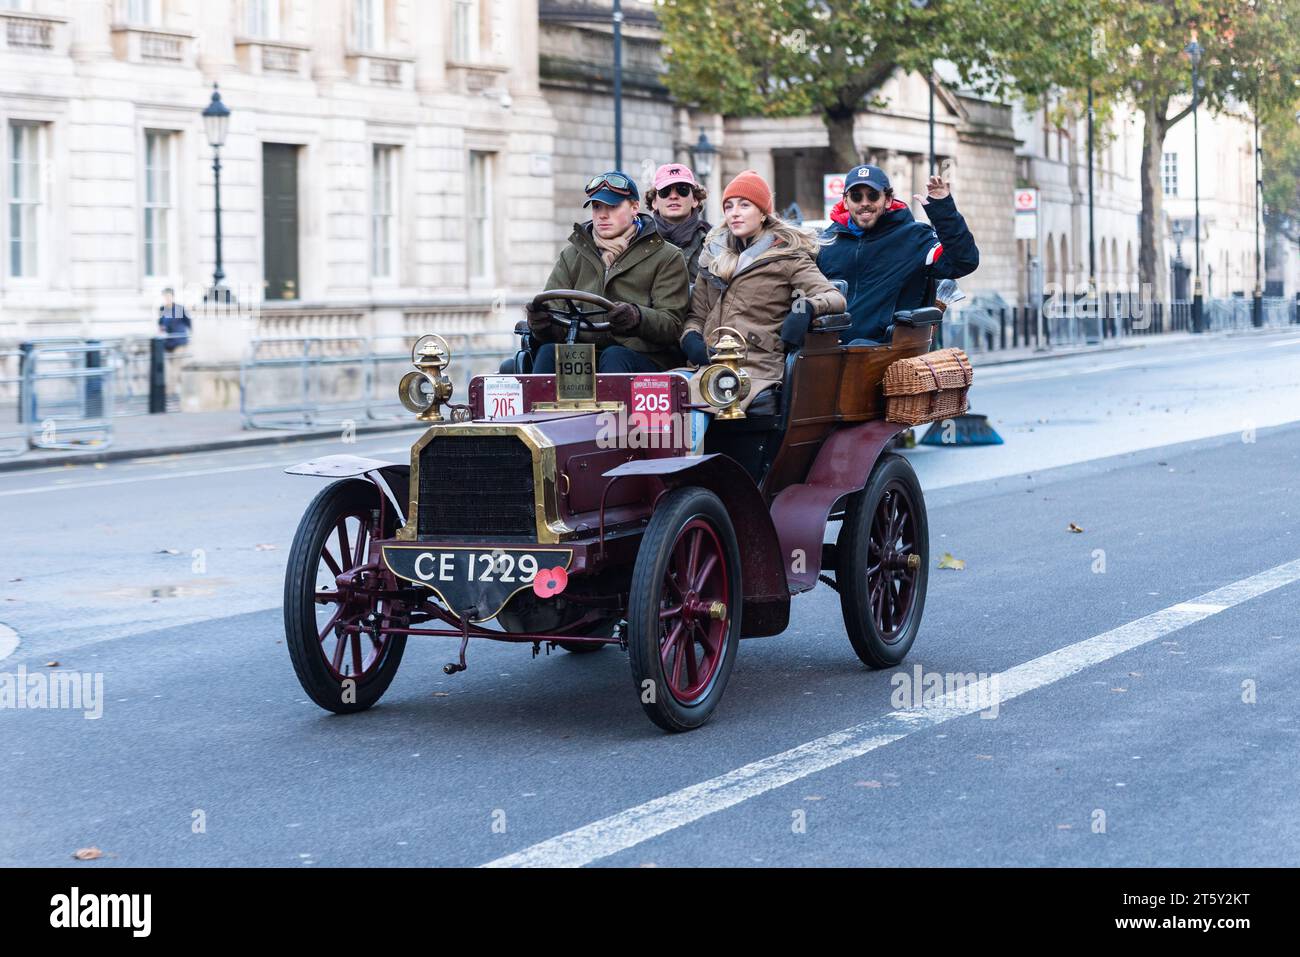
(886, 256)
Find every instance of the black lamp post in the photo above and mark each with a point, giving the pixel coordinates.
(216, 122)
(1198, 300)
(618, 84)
(702, 155)
(1258, 317)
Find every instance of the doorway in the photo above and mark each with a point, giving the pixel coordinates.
(280, 220)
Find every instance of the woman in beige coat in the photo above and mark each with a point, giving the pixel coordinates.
(753, 269)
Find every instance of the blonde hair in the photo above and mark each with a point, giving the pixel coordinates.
(786, 234)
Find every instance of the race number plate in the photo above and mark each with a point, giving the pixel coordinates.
(575, 372)
(652, 403)
(475, 582)
(503, 395)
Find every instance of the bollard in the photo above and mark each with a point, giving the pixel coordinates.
(94, 388)
(157, 375)
(26, 349)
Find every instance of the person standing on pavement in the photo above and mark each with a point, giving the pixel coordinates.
(888, 259)
(677, 202)
(173, 321)
(620, 255)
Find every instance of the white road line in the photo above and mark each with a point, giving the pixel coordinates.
(629, 828)
(163, 476)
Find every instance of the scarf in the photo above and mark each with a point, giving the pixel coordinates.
(611, 249)
(680, 234)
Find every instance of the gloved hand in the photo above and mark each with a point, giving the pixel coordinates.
(624, 317)
(539, 324)
(795, 326)
(697, 353)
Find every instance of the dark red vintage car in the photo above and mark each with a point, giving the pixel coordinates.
(579, 510)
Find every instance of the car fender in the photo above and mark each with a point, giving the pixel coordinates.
(767, 596)
(391, 478)
(799, 513)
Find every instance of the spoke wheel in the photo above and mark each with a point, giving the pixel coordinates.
(684, 612)
(336, 633)
(883, 553)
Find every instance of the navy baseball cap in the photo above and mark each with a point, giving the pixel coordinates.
(872, 176)
(611, 188)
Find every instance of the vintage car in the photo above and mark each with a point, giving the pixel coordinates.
(579, 510)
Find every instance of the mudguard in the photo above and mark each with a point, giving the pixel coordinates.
(767, 597)
(391, 478)
(799, 512)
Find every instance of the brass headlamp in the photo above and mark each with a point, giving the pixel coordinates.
(425, 389)
(723, 383)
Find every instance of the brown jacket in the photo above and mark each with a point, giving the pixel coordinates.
(651, 273)
(755, 303)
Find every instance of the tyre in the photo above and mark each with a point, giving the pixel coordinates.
(341, 672)
(684, 612)
(883, 552)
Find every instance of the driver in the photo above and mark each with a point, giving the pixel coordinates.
(620, 255)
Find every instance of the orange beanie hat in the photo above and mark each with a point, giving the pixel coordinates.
(749, 185)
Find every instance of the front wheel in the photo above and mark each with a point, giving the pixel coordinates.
(883, 553)
(684, 611)
(342, 671)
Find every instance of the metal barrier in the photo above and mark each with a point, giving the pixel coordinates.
(13, 431)
(146, 374)
(67, 390)
(300, 383)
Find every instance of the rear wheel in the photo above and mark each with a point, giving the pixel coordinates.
(883, 553)
(684, 610)
(341, 671)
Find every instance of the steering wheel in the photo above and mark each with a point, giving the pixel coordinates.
(574, 317)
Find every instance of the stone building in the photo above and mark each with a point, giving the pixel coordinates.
(386, 159)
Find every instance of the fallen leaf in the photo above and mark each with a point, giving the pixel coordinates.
(813, 797)
(88, 854)
(442, 694)
(1075, 528)
(266, 548)
(1065, 827)
(984, 757)
(99, 465)
(51, 664)
(1135, 674)
(169, 551)
(947, 561)
(15, 580)
(1120, 690)
(869, 784)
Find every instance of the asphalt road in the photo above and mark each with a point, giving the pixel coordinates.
(1147, 717)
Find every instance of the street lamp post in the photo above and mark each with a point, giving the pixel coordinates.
(1198, 300)
(216, 122)
(1258, 317)
(618, 84)
(703, 154)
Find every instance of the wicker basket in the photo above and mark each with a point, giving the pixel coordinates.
(927, 388)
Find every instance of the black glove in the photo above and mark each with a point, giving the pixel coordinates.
(795, 326)
(624, 317)
(697, 353)
(539, 324)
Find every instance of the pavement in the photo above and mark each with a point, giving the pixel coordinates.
(139, 436)
(1146, 662)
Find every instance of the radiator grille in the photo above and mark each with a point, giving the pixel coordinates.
(476, 485)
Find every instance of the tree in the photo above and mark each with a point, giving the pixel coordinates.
(795, 57)
(1141, 55)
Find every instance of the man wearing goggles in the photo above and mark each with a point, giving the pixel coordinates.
(889, 260)
(621, 255)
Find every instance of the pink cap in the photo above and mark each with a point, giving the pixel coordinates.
(671, 173)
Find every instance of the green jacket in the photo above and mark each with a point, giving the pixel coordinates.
(651, 273)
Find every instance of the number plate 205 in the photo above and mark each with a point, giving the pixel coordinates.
(474, 581)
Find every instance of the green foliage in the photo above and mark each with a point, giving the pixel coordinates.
(1280, 136)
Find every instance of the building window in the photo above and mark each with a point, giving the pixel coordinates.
(479, 202)
(26, 155)
(368, 28)
(144, 13)
(465, 30)
(383, 218)
(159, 202)
(1169, 174)
(262, 18)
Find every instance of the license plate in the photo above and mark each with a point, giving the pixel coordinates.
(474, 582)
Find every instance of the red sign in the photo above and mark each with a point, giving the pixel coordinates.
(1026, 200)
(652, 404)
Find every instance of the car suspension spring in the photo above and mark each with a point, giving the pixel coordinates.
(830, 581)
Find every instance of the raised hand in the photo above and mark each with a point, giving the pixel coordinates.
(935, 188)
